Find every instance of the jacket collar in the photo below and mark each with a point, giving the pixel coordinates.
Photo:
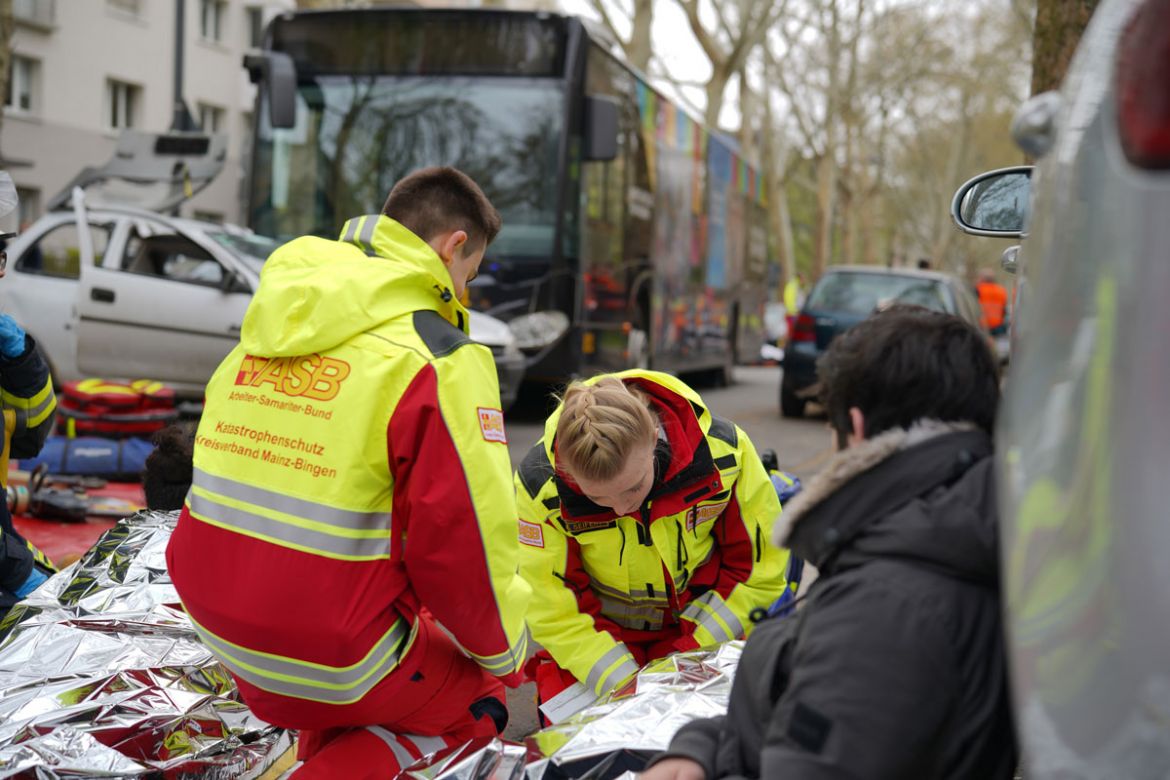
(881, 474)
(380, 236)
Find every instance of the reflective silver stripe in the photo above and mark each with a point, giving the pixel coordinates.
(597, 673)
(289, 505)
(401, 755)
(506, 662)
(631, 596)
(316, 527)
(308, 680)
(286, 534)
(646, 618)
(425, 745)
(365, 240)
(350, 230)
(627, 669)
(706, 617)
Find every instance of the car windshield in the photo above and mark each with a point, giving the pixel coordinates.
(252, 248)
(862, 293)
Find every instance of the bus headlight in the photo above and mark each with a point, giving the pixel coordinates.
(539, 329)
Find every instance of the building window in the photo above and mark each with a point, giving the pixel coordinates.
(211, 13)
(22, 85)
(122, 101)
(210, 118)
(38, 13)
(131, 7)
(255, 16)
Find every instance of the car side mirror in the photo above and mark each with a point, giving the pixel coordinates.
(601, 128)
(994, 203)
(234, 283)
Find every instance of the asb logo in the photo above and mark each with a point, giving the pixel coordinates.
(306, 376)
(491, 424)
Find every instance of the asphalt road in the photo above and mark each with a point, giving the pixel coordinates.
(802, 446)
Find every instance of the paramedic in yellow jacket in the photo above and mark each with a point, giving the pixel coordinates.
(645, 522)
(352, 489)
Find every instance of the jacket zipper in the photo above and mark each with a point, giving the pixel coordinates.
(759, 544)
(622, 551)
(644, 537)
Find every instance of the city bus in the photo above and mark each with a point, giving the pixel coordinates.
(632, 237)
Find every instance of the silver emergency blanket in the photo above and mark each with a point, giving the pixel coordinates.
(611, 738)
(101, 675)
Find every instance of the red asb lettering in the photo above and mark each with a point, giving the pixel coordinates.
(305, 376)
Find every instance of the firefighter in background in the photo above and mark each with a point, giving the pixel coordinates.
(993, 298)
(351, 480)
(793, 300)
(645, 522)
(28, 406)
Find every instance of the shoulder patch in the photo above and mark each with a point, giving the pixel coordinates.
(440, 337)
(491, 424)
(723, 430)
(531, 534)
(535, 469)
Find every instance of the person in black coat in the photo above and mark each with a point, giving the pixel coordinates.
(894, 664)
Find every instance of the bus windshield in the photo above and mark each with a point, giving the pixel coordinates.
(357, 135)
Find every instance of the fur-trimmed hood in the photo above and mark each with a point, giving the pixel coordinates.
(924, 493)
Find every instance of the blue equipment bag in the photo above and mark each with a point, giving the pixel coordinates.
(117, 460)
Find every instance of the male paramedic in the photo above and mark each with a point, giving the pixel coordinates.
(351, 490)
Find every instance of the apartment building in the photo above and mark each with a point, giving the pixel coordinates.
(82, 70)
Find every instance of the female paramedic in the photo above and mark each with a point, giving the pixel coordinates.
(644, 523)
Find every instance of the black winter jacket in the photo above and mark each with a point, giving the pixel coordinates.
(894, 666)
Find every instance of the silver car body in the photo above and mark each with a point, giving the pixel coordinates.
(121, 292)
(1084, 437)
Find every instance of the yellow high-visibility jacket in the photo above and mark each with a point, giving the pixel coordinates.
(694, 562)
(351, 467)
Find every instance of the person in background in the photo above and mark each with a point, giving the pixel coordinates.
(894, 666)
(166, 479)
(993, 297)
(28, 408)
(644, 521)
(351, 492)
(793, 300)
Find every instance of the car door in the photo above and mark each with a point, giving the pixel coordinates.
(44, 269)
(165, 308)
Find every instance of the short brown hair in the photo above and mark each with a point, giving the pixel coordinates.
(600, 425)
(437, 200)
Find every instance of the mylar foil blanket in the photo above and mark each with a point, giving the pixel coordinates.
(101, 675)
(614, 736)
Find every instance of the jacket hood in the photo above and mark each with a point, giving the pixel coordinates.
(925, 494)
(316, 294)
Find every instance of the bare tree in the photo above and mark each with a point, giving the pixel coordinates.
(741, 26)
(640, 19)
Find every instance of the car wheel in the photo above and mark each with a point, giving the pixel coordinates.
(791, 405)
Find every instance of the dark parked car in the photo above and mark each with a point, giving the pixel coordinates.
(845, 296)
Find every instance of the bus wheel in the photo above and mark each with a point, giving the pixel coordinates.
(638, 348)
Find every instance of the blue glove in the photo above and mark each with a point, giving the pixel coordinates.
(34, 581)
(11, 338)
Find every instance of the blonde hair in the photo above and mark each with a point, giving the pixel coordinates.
(600, 425)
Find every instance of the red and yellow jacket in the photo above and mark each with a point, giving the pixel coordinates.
(693, 564)
(350, 468)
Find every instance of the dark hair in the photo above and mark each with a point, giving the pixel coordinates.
(167, 476)
(906, 364)
(432, 201)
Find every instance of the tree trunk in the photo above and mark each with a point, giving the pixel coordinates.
(1059, 24)
(716, 88)
(639, 48)
(826, 207)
